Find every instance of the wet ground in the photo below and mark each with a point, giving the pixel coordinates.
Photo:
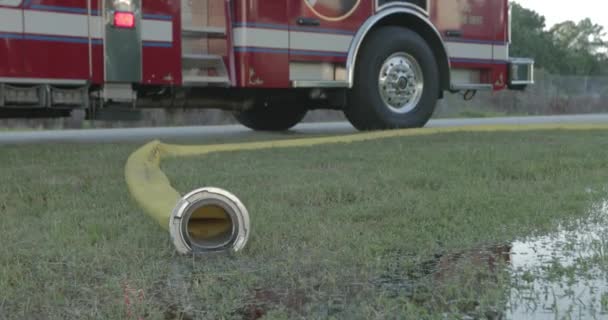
(563, 275)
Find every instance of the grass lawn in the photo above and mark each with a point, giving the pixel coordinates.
(399, 228)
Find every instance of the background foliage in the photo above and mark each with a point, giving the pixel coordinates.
(567, 48)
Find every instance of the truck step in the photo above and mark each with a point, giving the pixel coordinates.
(204, 55)
(203, 32)
(195, 60)
(196, 57)
(204, 69)
(196, 80)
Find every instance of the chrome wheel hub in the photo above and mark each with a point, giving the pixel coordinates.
(401, 82)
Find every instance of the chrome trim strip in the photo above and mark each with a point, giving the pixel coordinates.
(9, 80)
(531, 82)
(390, 8)
(319, 84)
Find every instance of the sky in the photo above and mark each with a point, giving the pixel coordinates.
(560, 10)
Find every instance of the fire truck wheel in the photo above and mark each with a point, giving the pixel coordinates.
(271, 118)
(396, 82)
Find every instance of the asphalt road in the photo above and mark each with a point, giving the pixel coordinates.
(203, 133)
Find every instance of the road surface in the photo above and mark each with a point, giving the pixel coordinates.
(202, 133)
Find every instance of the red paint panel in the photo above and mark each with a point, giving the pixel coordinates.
(316, 58)
(262, 70)
(96, 5)
(479, 20)
(161, 7)
(46, 59)
(343, 17)
(97, 53)
(98, 66)
(11, 52)
(261, 11)
(333, 16)
(162, 65)
(500, 77)
(471, 65)
(501, 21)
(344, 14)
(58, 56)
(11, 57)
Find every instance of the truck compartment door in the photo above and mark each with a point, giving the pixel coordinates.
(122, 41)
(469, 28)
(320, 35)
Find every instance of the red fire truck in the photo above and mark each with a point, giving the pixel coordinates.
(385, 63)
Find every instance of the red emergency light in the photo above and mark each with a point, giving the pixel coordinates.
(124, 20)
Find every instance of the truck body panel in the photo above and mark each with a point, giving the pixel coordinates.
(239, 44)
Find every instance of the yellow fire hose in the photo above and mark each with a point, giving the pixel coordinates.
(211, 219)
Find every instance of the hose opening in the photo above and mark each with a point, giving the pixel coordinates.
(209, 227)
(209, 220)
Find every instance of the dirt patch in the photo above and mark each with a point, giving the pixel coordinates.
(264, 300)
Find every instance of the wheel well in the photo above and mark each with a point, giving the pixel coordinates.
(429, 34)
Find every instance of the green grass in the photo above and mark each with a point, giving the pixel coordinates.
(339, 231)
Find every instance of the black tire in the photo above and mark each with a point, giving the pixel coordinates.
(270, 117)
(366, 109)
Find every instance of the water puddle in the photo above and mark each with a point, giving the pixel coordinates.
(563, 275)
(454, 283)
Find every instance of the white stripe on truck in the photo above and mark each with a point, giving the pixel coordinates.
(58, 24)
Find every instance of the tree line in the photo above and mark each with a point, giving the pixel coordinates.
(568, 48)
